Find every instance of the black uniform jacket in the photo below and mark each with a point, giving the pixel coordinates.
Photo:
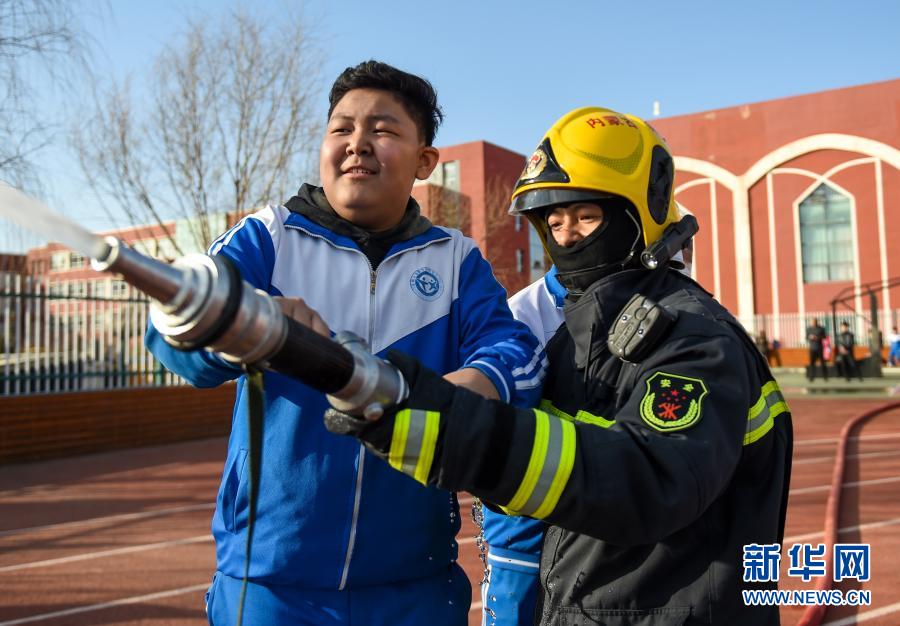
(652, 475)
(655, 534)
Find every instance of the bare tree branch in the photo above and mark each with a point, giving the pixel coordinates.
(42, 35)
(230, 127)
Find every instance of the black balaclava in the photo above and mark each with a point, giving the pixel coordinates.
(612, 247)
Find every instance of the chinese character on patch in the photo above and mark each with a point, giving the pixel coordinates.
(761, 562)
(851, 560)
(813, 560)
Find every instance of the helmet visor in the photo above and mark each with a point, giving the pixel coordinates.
(545, 198)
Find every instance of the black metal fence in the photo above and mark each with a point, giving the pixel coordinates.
(74, 336)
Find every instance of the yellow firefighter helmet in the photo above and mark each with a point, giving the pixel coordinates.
(592, 153)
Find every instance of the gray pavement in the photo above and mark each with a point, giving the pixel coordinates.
(793, 382)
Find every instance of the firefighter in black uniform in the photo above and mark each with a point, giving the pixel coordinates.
(663, 444)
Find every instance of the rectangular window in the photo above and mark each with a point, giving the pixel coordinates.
(59, 261)
(536, 253)
(445, 175)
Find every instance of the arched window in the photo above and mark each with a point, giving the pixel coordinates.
(826, 236)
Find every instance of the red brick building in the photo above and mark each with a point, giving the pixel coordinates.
(798, 200)
(470, 190)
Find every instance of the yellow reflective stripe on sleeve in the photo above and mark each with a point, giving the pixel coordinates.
(535, 463)
(581, 416)
(413, 442)
(762, 414)
(549, 467)
(398, 439)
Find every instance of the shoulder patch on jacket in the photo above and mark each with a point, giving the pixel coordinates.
(672, 402)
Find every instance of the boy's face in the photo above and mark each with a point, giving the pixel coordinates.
(371, 155)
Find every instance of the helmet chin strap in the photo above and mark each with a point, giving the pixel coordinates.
(576, 281)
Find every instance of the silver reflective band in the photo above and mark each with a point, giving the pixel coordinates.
(549, 467)
(413, 442)
(762, 414)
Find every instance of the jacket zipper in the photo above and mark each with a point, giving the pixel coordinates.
(357, 495)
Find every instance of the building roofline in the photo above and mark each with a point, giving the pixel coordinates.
(779, 99)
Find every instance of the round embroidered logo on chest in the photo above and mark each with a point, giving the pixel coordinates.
(426, 284)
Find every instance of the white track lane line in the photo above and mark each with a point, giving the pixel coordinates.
(864, 455)
(106, 605)
(105, 553)
(815, 442)
(847, 529)
(859, 483)
(121, 517)
(859, 617)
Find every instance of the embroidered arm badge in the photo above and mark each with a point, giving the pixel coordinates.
(672, 402)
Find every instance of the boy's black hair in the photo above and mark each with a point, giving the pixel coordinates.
(416, 94)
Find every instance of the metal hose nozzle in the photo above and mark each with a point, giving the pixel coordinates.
(202, 302)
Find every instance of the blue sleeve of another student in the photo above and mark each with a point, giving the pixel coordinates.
(249, 245)
(506, 351)
(513, 560)
(492, 341)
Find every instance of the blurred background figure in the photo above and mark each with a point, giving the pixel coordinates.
(845, 360)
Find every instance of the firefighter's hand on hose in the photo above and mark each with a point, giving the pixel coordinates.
(408, 435)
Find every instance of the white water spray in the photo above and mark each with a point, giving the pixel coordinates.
(38, 218)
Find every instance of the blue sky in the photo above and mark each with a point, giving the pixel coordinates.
(506, 70)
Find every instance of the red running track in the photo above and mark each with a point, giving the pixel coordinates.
(123, 538)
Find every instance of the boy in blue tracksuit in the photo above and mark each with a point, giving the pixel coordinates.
(340, 538)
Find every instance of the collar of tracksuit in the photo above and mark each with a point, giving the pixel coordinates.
(311, 203)
(555, 288)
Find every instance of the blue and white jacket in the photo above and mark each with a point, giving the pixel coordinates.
(331, 516)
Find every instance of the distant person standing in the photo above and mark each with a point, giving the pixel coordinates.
(762, 344)
(845, 360)
(894, 345)
(816, 336)
(775, 353)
